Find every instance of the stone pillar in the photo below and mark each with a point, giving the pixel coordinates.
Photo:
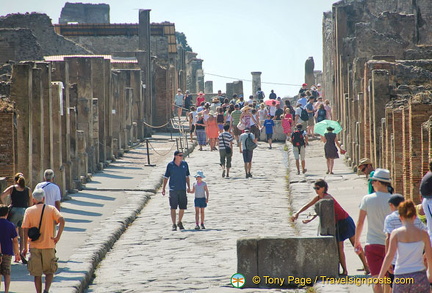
(208, 87)
(406, 166)
(82, 157)
(238, 88)
(106, 123)
(309, 71)
(57, 94)
(73, 159)
(200, 80)
(230, 90)
(256, 81)
(144, 45)
(325, 210)
(418, 113)
(99, 93)
(397, 151)
(37, 128)
(380, 97)
(21, 92)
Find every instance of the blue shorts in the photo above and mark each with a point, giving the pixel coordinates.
(178, 198)
(345, 229)
(200, 202)
(247, 156)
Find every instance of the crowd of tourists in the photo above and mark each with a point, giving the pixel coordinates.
(397, 244)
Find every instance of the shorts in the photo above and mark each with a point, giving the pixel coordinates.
(192, 130)
(345, 229)
(5, 266)
(255, 130)
(224, 156)
(236, 131)
(310, 122)
(200, 202)
(269, 135)
(415, 282)
(375, 254)
(247, 156)
(298, 154)
(220, 126)
(178, 198)
(42, 261)
(16, 216)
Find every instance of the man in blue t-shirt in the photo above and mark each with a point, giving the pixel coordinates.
(8, 246)
(178, 173)
(269, 129)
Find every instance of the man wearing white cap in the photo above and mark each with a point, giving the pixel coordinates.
(375, 207)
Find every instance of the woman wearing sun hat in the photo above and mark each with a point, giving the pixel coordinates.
(375, 207)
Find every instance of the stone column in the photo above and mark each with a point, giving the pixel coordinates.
(256, 81)
(144, 45)
(229, 90)
(238, 88)
(309, 71)
(21, 91)
(37, 128)
(57, 92)
(208, 87)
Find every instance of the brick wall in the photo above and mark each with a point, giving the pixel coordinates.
(7, 146)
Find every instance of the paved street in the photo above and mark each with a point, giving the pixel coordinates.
(149, 257)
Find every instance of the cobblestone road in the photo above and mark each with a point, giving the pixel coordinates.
(150, 257)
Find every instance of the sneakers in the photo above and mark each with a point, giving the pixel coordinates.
(174, 227)
(180, 225)
(202, 226)
(197, 227)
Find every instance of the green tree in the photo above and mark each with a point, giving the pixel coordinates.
(181, 39)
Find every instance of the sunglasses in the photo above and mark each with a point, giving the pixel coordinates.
(180, 155)
(316, 188)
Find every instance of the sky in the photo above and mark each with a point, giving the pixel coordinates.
(233, 37)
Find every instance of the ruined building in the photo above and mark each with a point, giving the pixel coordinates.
(72, 99)
(377, 73)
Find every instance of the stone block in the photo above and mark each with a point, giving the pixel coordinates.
(325, 210)
(295, 260)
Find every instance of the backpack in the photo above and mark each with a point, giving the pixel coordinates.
(304, 115)
(297, 138)
(260, 95)
(250, 144)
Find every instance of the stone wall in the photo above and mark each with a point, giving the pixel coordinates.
(373, 72)
(85, 13)
(19, 44)
(43, 42)
(7, 146)
(106, 45)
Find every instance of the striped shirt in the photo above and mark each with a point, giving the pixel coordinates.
(224, 137)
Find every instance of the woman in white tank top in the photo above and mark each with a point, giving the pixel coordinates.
(410, 273)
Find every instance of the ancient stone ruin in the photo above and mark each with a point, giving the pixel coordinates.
(78, 94)
(378, 72)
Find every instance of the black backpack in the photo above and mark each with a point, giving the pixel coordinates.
(260, 95)
(297, 138)
(304, 115)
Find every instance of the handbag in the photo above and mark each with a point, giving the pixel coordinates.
(34, 232)
(241, 126)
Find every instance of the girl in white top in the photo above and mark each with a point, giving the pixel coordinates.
(409, 242)
(262, 112)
